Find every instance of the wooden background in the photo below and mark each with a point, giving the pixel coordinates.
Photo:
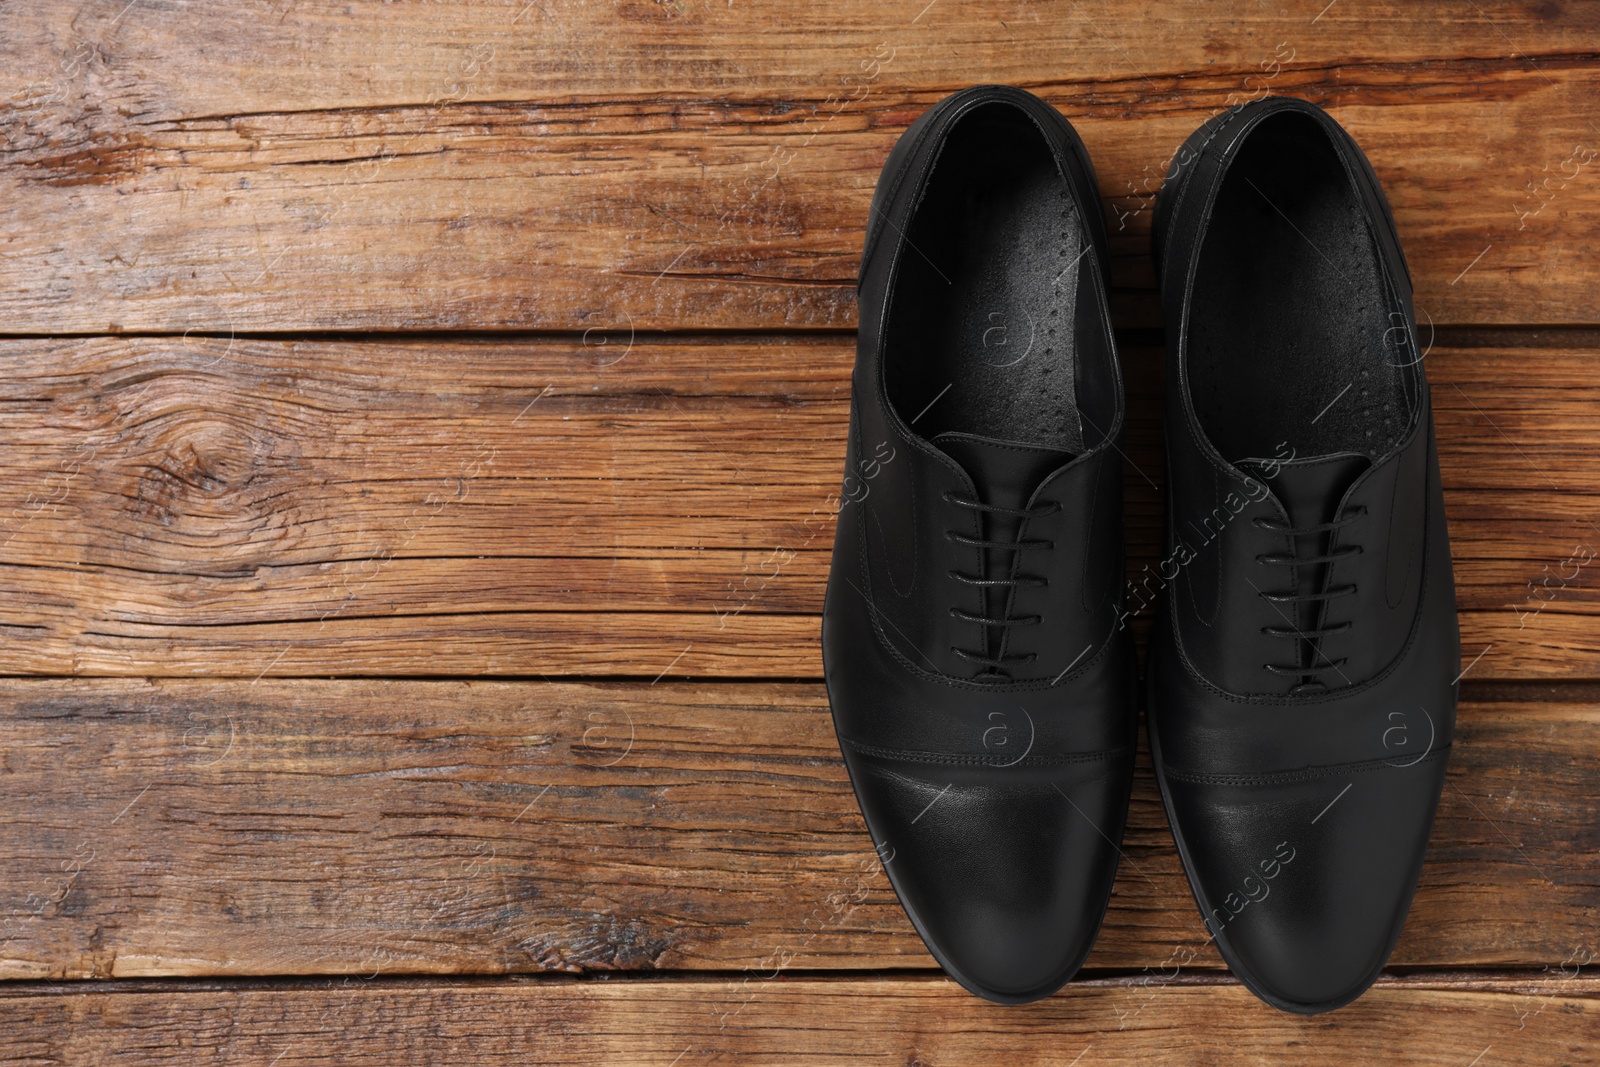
(417, 431)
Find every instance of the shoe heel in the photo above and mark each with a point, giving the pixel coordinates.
(1177, 178)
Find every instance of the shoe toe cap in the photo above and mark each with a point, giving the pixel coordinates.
(1305, 884)
(1005, 871)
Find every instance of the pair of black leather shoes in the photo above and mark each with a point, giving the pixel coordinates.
(975, 639)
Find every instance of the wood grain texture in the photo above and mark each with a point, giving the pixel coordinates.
(695, 165)
(904, 1022)
(255, 55)
(637, 482)
(388, 827)
(616, 505)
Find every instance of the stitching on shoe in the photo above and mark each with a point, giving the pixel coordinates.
(861, 527)
(1305, 775)
(986, 687)
(1182, 191)
(876, 235)
(1344, 693)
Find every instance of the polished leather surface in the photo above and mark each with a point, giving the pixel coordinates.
(1300, 742)
(992, 761)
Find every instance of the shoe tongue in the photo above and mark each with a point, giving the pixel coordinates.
(1005, 473)
(1309, 489)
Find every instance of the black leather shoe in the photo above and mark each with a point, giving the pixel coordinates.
(982, 687)
(1302, 678)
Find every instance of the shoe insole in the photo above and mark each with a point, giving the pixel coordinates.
(981, 332)
(1290, 339)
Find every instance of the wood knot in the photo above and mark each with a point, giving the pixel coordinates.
(213, 481)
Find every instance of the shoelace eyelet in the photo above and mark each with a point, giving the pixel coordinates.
(1330, 558)
(998, 664)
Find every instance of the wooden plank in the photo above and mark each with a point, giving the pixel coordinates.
(355, 827)
(326, 58)
(697, 165)
(1547, 1019)
(555, 507)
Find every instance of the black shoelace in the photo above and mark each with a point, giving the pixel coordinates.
(997, 666)
(1313, 637)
